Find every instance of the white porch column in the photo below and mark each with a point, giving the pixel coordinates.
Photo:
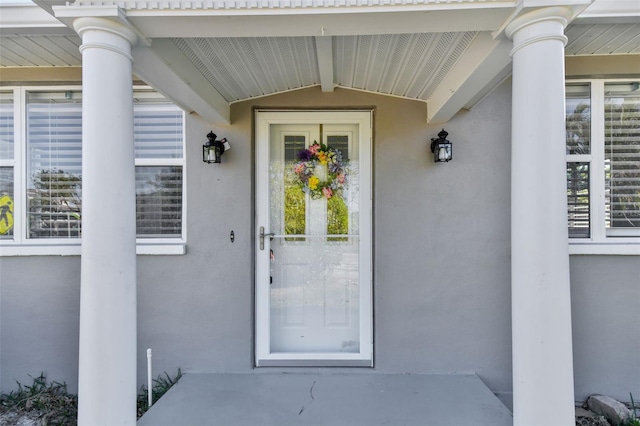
(107, 367)
(541, 307)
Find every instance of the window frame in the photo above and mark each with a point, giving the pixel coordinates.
(599, 242)
(20, 245)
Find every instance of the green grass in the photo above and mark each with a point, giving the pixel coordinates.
(49, 402)
(635, 420)
(160, 386)
(52, 405)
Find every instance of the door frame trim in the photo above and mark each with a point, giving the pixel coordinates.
(263, 119)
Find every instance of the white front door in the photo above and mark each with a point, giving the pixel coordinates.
(313, 238)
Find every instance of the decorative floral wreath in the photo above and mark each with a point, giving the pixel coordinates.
(321, 171)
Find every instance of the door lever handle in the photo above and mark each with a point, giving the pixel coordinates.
(262, 235)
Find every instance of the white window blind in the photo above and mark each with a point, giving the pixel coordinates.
(603, 165)
(41, 170)
(6, 164)
(54, 164)
(158, 201)
(622, 157)
(159, 138)
(6, 126)
(578, 199)
(578, 143)
(158, 131)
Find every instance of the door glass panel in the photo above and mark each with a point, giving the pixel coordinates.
(337, 207)
(294, 197)
(339, 142)
(314, 290)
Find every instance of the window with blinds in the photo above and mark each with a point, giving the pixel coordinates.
(6, 126)
(578, 118)
(6, 203)
(6, 165)
(578, 199)
(158, 201)
(157, 130)
(578, 142)
(158, 137)
(603, 161)
(622, 155)
(54, 165)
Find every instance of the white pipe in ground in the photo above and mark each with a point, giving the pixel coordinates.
(149, 378)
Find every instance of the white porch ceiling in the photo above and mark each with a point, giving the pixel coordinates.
(406, 65)
(40, 51)
(241, 68)
(603, 39)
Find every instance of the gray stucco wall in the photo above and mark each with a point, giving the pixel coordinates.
(441, 263)
(39, 309)
(605, 298)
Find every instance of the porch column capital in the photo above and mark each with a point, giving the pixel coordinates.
(541, 303)
(539, 25)
(106, 34)
(107, 351)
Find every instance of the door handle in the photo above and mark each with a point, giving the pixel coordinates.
(262, 235)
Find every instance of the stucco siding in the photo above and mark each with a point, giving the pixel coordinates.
(605, 298)
(442, 239)
(442, 300)
(39, 309)
(196, 311)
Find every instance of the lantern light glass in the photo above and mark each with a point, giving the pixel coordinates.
(441, 148)
(213, 149)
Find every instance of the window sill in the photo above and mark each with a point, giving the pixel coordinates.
(608, 248)
(162, 249)
(75, 249)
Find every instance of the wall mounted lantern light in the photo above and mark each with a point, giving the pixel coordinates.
(213, 149)
(441, 148)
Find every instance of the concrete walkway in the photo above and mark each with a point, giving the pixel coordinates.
(328, 399)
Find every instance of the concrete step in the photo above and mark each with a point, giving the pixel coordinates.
(328, 399)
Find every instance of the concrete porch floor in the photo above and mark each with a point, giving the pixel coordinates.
(328, 399)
